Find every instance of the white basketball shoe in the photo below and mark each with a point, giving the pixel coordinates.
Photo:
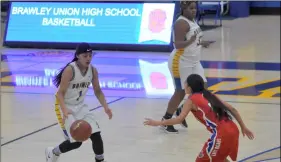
(50, 156)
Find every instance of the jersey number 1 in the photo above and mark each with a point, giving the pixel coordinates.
(80, 94)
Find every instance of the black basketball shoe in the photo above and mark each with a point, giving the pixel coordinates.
(169, 128)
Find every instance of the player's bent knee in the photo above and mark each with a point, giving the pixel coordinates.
(97, 143)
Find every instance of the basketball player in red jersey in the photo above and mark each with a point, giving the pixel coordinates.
(215, 115)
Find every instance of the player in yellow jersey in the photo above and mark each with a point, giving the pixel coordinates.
(185, 58)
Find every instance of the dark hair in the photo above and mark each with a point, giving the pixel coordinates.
(57, 78)
(196, 83)
(185, 3)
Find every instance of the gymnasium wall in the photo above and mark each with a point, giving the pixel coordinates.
(265, 7)
(247, 8)
(265, 4)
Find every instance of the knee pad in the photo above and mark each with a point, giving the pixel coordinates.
(97, 143)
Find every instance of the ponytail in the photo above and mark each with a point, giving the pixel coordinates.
(57, 79)
(217, 106)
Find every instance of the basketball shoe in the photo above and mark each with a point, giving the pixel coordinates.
(50, 156)
(169, 128)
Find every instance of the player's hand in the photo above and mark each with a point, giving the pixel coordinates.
(206, 44)
(108, 112)
(193, 38)
(151, 122)
(65, 113)
(248, 133)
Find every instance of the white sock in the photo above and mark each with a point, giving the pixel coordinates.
(56, 151)
(99, 157)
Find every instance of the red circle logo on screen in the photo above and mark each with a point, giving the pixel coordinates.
(157, 20)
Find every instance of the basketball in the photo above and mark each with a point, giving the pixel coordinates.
(80, 130)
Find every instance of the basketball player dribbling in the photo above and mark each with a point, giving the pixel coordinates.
(214, 114)
(73, 82)
(185, 58)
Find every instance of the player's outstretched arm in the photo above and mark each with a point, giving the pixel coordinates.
(187, 107)
(235, 113)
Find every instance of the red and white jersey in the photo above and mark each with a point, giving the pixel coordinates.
(205, 114)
